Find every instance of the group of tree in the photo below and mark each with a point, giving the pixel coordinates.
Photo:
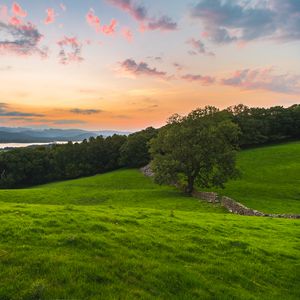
(36, 165)
(197, 148)
(266, 125)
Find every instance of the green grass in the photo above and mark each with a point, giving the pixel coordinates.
(119, 236)
(270, 179)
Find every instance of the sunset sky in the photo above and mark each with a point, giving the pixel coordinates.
(129, 64)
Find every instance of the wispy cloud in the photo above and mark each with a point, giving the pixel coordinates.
(68, 122)
(80, 111)
(203, 80)
(18, 10)
(131, 67)
(50, 18)
(20, 40)
(127, 34)
(93, 20)
(199, 48)
(140, 13)
(70, 50)
(5, 111)
(264, 79)
(163, 23)
(110, 28)
(178, 66)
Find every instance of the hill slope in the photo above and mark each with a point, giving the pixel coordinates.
(119, 236)
(270, 179)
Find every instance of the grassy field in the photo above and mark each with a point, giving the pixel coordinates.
(270, 179)
(119, 236)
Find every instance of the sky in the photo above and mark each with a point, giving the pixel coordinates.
(130, 64)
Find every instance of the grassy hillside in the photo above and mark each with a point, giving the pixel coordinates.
(119, 236)
(270, 179)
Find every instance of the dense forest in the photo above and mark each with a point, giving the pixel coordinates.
(37, 165)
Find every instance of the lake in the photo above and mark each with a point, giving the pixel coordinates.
(20, 145)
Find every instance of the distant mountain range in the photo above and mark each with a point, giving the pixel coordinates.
(30, 135)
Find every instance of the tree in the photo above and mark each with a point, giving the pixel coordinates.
(135, 151)
(200, 148)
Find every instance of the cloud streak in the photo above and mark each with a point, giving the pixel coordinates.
(68, 122)
(6, 112)
(131, 67)
(264, 79)
(203, 80)
(85, 111)
(199, 48)
(164, 23)
(140, 13)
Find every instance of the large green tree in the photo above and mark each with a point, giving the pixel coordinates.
(200, 148)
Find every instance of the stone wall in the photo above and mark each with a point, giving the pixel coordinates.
(238, 208)
(230, 204)
(207, 196)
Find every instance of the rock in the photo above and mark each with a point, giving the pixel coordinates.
(147, 171)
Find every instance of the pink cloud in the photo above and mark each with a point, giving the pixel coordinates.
(142, 27)
(18, 11)
(264, 79)
(204, 80)
(111, 28)
(127, 34)
(70, 50)
(50, 16)
(130, 67)
(140, 13)
(199, 48)
(15, 21)
(69, 41)
(164, 23)
(93, 20)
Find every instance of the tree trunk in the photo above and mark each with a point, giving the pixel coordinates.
(190, 186)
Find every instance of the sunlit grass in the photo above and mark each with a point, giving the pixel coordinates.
(270, 179)
(120, 236)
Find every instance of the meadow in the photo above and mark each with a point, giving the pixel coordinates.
(120, 236)
(270, 179)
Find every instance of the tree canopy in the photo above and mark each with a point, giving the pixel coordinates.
(200, 147)
(135, 151)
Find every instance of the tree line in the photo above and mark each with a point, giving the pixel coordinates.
(200, 147)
